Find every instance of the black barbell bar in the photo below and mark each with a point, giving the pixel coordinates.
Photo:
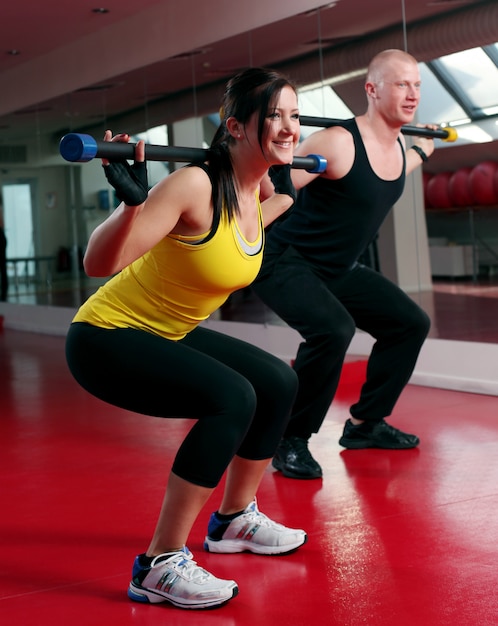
(81, 148)
(446, 134)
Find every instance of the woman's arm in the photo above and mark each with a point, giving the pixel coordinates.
(130, 231)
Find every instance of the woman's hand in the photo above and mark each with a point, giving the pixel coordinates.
(280, 176)
(129, 181)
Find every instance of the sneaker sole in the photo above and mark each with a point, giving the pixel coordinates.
(233, 546)
(354, 444)
(148, 596)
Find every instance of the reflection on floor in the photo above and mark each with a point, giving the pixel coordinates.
(396, 538)
(459, 309)
(465, 311)
(64, 290)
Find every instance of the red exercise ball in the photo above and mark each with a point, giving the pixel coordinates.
(437, 191)
(482, 185)
(426, 176)
(459, 187)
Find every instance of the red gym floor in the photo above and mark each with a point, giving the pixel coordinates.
(398, 538)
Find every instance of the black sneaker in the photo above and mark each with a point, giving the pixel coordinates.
(376, 435)
(294, 460)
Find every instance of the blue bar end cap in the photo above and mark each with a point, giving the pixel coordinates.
(321, 164)
(78, 147)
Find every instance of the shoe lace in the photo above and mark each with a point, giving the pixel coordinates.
(300, 447)
(184, 564)
(261, 519)
(391, 430)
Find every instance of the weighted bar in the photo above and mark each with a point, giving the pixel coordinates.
(445, 134)
(80, 148)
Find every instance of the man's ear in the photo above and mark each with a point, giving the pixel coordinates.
(371, 89)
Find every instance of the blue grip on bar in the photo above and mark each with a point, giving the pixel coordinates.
(78, 148)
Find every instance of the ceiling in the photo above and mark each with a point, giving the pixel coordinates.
(73, 66)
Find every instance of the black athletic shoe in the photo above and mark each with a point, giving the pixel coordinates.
(376, 435)
(294, 460)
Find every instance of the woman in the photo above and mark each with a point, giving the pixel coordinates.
(178, 252)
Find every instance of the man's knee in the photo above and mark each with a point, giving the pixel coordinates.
(421, 323)
(416, 325)
(332, 334)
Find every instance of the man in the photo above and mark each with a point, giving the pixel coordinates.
(312, 279)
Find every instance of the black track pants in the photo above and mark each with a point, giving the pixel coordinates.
(241, 396)
(326, 313)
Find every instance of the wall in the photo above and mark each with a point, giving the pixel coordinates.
(456, 365)
(403, 245)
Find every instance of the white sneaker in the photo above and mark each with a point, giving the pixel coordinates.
(176, 578)
(252, 531)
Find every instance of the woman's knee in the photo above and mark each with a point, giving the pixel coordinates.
(281, 379)
(237, 401)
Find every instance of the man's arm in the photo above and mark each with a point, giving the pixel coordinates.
(420, 151)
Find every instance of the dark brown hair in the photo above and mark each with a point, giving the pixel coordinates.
(253, 90)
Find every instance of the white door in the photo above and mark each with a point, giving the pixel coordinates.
(18, 220)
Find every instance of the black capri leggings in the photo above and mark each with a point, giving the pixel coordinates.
(241, 396)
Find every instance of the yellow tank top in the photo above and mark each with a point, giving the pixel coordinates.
(178, 283)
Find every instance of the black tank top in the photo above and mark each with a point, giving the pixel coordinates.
(333, 221)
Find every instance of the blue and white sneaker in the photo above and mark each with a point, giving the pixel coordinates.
(176, 578)
(251, 531)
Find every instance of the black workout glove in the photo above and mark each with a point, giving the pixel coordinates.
(281, 179)
(129, 181)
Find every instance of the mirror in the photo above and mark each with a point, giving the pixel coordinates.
(51, 207)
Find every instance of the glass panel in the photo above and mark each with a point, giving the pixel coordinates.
(158, 135)
(321, 102)
(436, 106)
(476, 74)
